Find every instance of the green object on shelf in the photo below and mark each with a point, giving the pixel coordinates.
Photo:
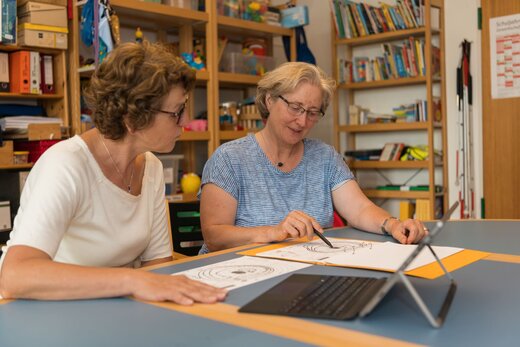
(188, 214)
(420, 188)
(186, 229)
(388, 187)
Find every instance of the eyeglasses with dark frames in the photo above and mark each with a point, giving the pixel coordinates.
(296, 109)
(177, 114)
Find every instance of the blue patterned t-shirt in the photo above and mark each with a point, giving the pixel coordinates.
(265, 194)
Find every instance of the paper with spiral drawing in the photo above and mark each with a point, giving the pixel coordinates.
(239, 272)
(386, 256)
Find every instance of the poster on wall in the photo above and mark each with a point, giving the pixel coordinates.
(505, 56)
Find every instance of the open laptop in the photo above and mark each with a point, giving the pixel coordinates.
(347, 297)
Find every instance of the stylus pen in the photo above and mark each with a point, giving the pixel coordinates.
(323, 238)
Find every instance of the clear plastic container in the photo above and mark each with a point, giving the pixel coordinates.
(20, 157)
(189, 4)
(247, 64)
(171, 171)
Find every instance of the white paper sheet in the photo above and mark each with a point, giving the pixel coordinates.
(239, 272)
(374, 255)
(504, 39)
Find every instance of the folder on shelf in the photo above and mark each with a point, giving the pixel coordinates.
(8, 21)
(406, 209)
(4, 72)
(20, 72)
(35, 73)
(422, 209)
(47, 80)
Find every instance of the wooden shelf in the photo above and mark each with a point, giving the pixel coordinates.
(234, 26)
(397, 164)
(385, 127)
(396, 194)
(32, 96)
(227, 135)
(149, 15)
(87, 71)
(202, 75)
(14, 48)
(394, 82)
(434, 133)
(182, 198)
(383, 37)
(16, 166)
(186, 25)
(195, 136)
(234, 79)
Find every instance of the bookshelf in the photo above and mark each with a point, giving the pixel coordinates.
(371, 90)
(55, 104)
(183, 25)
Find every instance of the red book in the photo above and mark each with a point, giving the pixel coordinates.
(47, 81)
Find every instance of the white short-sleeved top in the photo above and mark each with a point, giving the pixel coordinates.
(72, 212)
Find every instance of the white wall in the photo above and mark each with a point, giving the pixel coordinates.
(460, 23)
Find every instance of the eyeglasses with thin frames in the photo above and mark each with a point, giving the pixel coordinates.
(177, 114)
(296, 109)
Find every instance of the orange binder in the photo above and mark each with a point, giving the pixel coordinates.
(20, 72)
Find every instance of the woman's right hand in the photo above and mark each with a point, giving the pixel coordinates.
(179, 289)
(296, 224)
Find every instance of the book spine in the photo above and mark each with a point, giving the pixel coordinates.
(35, 73)
(20, 72)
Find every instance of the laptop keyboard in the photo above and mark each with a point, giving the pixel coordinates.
(330, 297)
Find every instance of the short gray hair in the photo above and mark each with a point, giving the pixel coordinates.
(287, 77)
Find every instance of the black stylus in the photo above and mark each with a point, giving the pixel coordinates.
(323, 238)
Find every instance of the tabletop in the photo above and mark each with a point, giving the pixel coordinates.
(484, 311)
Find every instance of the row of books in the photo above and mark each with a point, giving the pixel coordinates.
(352, 19)
(417, 111)
(413, 112)
(392, 151)
(26, 72)
(398, 61)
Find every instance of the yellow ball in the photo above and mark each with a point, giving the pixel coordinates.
(190, 183)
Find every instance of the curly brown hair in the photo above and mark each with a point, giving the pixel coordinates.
(130, 83)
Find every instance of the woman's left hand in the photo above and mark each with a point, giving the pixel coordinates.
(408, 231)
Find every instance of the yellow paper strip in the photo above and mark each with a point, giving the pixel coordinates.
(451, 263)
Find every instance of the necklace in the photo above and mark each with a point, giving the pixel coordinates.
(278, 163)
(129, 184)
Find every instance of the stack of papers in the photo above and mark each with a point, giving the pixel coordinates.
(21, 122)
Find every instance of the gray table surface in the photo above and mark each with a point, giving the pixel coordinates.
(484, 311)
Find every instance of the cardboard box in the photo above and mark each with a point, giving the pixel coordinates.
(6, 153)
(5, 215)
(53, 2)
(295, 16)
(42, 36)
(43, 14)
